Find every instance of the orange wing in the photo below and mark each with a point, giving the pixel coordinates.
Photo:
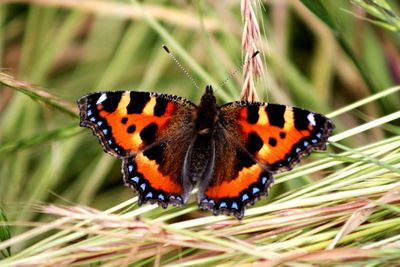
(151, 132)
(238, 180)
(253, 141)
(126, 122)
(278, 135)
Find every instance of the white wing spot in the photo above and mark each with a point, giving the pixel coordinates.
(311, 119)
(101, 98)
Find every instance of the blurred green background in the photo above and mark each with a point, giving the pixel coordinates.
(319, 55)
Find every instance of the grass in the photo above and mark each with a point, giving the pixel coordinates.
(61, 198)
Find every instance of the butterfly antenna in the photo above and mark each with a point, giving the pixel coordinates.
(180, 66)
(235, 72)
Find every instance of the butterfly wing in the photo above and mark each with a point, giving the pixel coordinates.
(151, 132)
(253, 141)
(237, 181)
(277, 136)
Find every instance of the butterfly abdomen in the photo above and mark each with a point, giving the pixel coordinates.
(201, 152)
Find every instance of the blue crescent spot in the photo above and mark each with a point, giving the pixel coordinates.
(222, 205)
(105, 131)
(135, 179)
(99, 123)
(313, 141)
(143, 186)
(160, 196)
(245, 197)
(234, 206)
(305, 143)
(298, 149)
(89, 113)
(149, 195)
(318, 135)
(264, 180)
(255, 190)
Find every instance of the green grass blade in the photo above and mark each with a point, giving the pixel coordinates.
(4, 233)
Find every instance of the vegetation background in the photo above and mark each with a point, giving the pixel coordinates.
(61, 198)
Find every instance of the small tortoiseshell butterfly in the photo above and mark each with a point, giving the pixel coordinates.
(168, 144)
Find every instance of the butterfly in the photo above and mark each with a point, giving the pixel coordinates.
(168, 145)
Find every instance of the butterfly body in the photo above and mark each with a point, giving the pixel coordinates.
(168, 145)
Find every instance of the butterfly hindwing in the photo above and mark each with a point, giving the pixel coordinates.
(278, 135)
(156, 173)
(148, 130)
(235, 185)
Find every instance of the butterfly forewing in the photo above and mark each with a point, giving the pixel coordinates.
(277, 135)
(126, 122)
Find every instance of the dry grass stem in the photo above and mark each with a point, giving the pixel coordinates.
(39, 94)
(123, 239)
(363, 213)
(252, 65)
(182, 18)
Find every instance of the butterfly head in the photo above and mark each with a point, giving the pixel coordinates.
(207, 112)
(209, 90)
(208, 99)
